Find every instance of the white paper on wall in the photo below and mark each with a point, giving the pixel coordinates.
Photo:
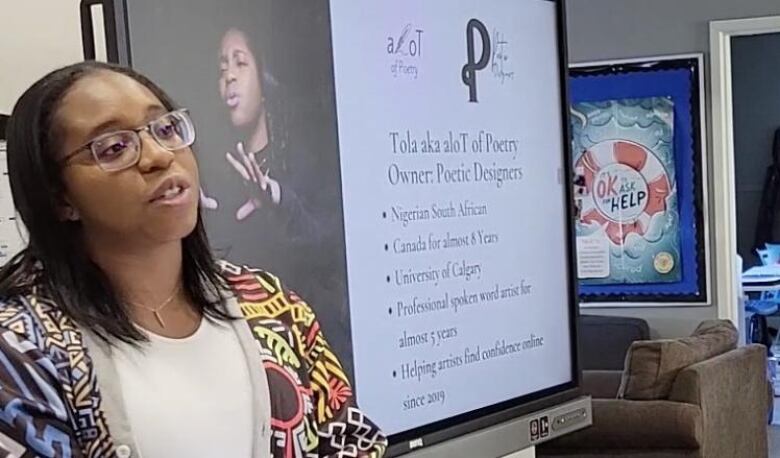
(12, 233)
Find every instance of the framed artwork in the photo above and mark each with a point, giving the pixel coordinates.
(638, 147)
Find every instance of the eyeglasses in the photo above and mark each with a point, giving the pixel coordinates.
(119, 150)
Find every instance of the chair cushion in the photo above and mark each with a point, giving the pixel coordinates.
(651, 366)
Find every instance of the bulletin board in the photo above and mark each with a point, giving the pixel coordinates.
(638, 146)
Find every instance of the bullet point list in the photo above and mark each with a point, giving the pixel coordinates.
(452, 183)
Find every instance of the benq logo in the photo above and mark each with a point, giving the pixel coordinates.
(469, 73)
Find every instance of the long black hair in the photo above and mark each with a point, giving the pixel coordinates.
(56, 260)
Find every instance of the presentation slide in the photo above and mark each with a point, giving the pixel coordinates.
(450, 139)
(410, 184)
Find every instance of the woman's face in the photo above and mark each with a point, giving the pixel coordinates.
(239, 80)
(121, 207)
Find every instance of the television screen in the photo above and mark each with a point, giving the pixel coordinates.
(401, 165)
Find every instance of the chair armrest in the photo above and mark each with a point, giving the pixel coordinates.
(731, 390)
(601, 384)
(643, 425)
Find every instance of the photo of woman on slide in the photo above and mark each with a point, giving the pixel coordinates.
(241, 89)
(258, 157)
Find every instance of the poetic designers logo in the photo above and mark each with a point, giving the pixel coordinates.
(494, 52)
(406, 50)
(499, 61)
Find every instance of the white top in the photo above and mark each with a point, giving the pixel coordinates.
(188, 397)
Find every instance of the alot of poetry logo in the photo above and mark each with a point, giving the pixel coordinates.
(406, 49)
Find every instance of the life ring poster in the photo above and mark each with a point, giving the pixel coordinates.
(628, 225)
(637, 158)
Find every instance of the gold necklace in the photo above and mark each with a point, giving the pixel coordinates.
(156, 311)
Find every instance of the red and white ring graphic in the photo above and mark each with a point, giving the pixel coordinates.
(626, 184)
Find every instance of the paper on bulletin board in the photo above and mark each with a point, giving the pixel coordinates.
(12, 234)
(593, 256)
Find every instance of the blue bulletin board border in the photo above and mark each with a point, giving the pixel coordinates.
(678, 78)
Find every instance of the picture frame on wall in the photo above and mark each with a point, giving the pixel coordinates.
(639, 157)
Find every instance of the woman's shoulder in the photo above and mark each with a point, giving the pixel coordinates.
(252, 283)
(243, 276)
(31, 317)
(261, 293)
(15, 313)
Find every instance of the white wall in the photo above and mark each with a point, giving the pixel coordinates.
(36, 36)
(610, 29)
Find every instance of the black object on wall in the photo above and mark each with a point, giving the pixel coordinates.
(768, 208)
(755, 64)
(3, 124)
(88, 31)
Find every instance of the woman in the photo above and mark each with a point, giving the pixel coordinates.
(241, 88)
(119, 334)
(242, 92)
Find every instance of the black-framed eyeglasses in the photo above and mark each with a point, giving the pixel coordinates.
(119, 150)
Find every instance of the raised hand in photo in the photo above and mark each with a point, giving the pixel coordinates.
(258, 181)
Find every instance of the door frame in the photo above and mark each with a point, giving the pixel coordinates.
(727, 267)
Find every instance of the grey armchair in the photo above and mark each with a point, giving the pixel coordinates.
(714, 407)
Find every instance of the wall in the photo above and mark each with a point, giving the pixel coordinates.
(607, 29)
(755, 65)
(37, 37)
